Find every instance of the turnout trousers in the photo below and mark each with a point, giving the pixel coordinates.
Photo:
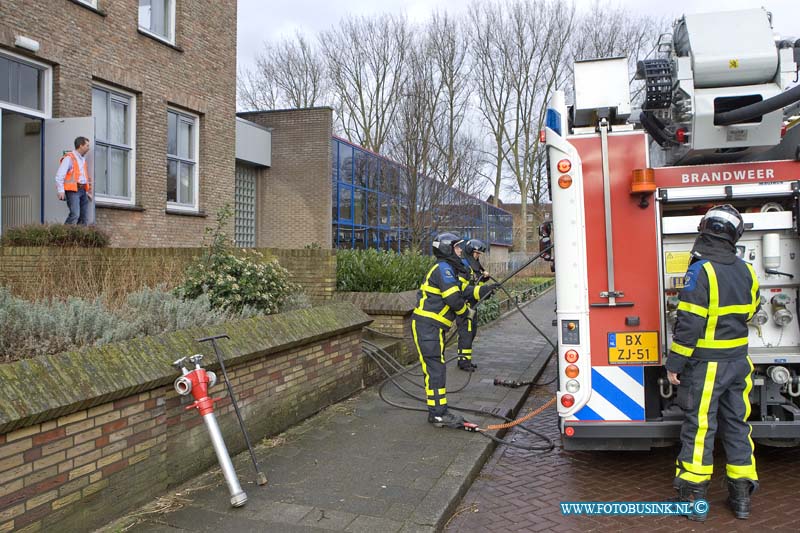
(715, 398)
(429, 340)
(467, 328)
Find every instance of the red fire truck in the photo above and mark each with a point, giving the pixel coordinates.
(716, 126)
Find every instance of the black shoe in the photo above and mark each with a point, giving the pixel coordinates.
(692, 492)
(466, 365)
(447, 420)
(739, 491)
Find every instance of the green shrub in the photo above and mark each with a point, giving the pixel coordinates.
(235, 280)
(488, 310)
(55, 235)
(28, 329)
(379, 271)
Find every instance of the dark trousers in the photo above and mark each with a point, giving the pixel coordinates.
(467, 328)
(78, 204)
(715, 397)
(429, 339)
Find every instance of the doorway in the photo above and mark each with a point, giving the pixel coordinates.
(21, 170)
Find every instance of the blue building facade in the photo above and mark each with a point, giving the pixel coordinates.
(371, 207)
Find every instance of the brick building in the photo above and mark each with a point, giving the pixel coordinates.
(155, 83)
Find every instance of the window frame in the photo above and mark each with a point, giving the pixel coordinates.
(90, 3)
(176, 206)
(102, 199)
(47, 87)
(169, 39)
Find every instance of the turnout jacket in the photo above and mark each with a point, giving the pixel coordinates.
(445, 294)
(719, 297)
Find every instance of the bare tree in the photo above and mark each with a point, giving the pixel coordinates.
(366, 60)
(539, 31)
(489, 50)
(290, 73)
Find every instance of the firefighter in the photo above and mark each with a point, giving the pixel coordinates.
(468, 323)
(442, 298)
(709, 363)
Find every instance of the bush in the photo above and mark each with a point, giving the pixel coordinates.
(236, 280)
(488, 310)
(378, 271)
(28, 329)
(55, 235)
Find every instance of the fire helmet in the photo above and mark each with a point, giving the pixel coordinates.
(723, 222)
(475, 245)
(443, 245)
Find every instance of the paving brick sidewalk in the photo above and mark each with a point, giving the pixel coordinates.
(363, 465)
(521, 491)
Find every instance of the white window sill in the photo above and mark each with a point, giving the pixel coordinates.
(160, 38)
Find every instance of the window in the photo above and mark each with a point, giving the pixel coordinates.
(157, 17)
(90, 3)
(530, 218)
(245, 196)
(182, 144)
(23, 85)
(114, 115)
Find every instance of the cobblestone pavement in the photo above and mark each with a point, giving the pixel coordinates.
(521, 491)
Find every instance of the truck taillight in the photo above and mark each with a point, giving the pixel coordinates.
(680, 135)
(571, 356)
(569, 431)
(542, 136)
(565, 181)
(567, 400)
(573, 386)
(572, 371)
(564, 166)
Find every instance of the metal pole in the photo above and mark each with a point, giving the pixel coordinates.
(238, 496)
(261, 477)
(612, 292)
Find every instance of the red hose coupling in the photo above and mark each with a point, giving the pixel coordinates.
(202, 402)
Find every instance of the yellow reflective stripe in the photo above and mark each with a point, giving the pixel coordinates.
(441, 344)
(442, 391)
(692, 478)
(462, 310)
(720, 344)
(742, 471)
(429, 288)
(713, 301)
(743, 309)
(682, 350)
(434, 316)
(748, 386)
(753, 291)
(444, 310)
(432, 402)
(421, 304)
(443, 401)
(466, 350)
(476, 293)
(697, 469)
(698, 310)
(448, 292)
(469, 325)
(702, 413)
(421, 359)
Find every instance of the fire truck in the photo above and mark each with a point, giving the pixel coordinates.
(719, 123)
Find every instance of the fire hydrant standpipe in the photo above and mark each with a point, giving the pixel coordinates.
(196, 383)
(261, 478)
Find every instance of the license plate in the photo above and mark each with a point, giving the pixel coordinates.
(633, 348)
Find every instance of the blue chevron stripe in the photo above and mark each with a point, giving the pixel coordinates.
(619, 399)
(636, 372)
(587, 413)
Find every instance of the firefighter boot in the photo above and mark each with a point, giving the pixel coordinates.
(739, 491)
(466, 364)
(446, 420)
(692, 492)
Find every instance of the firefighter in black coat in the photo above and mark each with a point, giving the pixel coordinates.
(709, 362)
(441, 298)
(468, 324)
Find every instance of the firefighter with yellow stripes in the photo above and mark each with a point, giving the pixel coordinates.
(442, 298)
(468, 323)
(709, 363)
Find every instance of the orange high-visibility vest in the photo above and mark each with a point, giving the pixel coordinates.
(74, 174)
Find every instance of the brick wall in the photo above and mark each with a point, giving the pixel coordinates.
(294, 194)
(197, 75)
(75, 459)
(24, 269)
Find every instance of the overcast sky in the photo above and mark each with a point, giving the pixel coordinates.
(268, 20)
